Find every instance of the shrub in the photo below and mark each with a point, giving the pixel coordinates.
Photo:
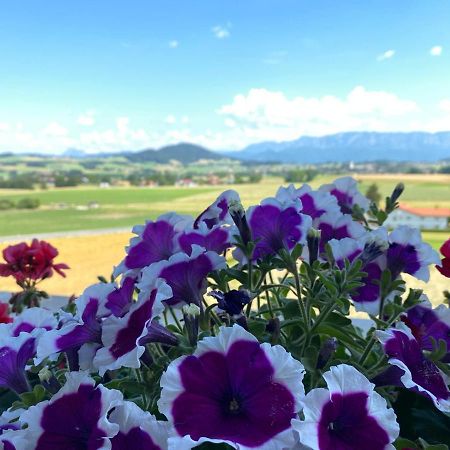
(28, 203)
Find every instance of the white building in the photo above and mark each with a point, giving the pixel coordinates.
(422, 218)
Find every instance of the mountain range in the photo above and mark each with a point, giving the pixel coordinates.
(352, 146)
(341, 147)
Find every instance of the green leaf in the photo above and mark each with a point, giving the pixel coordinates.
(309, 359)
(291, 310)
(401, 443)
(257, 327)
(337, 320)
(419, 418)
(35, 396)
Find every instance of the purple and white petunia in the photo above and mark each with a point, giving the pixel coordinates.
(275, 226)
(407, 253)
(348, 415)
(314, 203)
(119, 300)
(122, 336)
(33, 318)
(345, 189)
(13, 440)
(155, 241)
(410, 368)
(338, 226)
(138, 430)
(75, 418)
(218, 212)
(367, 297)
(245, 393)
(15, 352)
(217, 238)
(346, 249)
(185, 274)
(80, 334)
(427, 323)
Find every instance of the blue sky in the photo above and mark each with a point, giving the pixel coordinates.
(112, 75)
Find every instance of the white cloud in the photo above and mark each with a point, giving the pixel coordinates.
(436, 50)
(262, 114)
(255, 116)
(171, 119)
(4, 126)
(54, 129)
(221, 31)
(388, 54)
(174, 43)
(86, 119)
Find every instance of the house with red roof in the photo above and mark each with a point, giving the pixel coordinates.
(422, 218)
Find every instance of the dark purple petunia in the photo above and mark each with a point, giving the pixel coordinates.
(427, 324)
(275, 226)
(345, 189)
(138, 430)
(349, 415)
(245, 394)
(76, 418)
(407, 253)
(186, 275)
(338, 226)
(411, 368)
(216, 239)
(232, 301)
(217, 213)
(155, 241)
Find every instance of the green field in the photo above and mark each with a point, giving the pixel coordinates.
(123, 207)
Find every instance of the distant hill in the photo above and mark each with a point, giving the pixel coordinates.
(352, 146)
(185, 153)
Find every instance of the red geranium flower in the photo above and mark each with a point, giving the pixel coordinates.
(31, 262)
(444, 268)
(4, 313)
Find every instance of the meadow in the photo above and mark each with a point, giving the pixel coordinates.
(93, 254)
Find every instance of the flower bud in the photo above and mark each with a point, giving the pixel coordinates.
(313, 241)
(326, 352)
(45, 374)
(398, 190)
(191, 310)
(237, 213)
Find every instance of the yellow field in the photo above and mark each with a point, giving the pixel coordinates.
(89, 256)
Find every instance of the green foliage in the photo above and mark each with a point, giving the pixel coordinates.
(28, 203)
(5, 204)
(373, 193)
(300, 175)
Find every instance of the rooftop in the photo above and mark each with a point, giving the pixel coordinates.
(426, 212)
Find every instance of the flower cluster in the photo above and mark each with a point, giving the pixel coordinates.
(231, 330)
(32, 262)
